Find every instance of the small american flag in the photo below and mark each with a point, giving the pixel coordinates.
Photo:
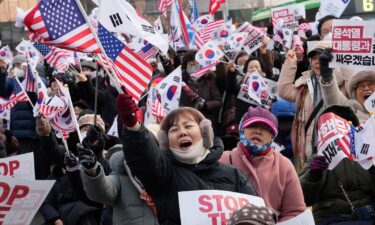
(54, 56)
(61, 23)
(147, 51)
(30, 82)
(133, 72)
(202, 71)
(304, 26)
(18, 95)
(157, 109)
(163, 5)
(204, 35)
(49, 110)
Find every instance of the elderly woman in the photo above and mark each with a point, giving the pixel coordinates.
(273, 175)
(189, 160)
(361, 86)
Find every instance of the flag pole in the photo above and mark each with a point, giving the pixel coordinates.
(99, 45)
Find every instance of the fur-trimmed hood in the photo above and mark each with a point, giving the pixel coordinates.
(357, 78)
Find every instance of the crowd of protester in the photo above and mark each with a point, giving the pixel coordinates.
(214, 141)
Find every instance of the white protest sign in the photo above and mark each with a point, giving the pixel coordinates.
(353, 44)
(305, 218)
(331, 7)
(21, 199)
(370, 103)
(254, 39)
(272, 86)
(289, 15)
(20, 166)
(364, 140)
(212, 206)
(333, 139)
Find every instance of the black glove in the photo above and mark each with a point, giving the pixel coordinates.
(325, 72)
(8, 136)
(71, 162)
(200, 104)
(87, 158)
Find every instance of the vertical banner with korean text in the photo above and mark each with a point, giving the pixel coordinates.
(353, 44)
(211, 207)
(289, 15)
(21, 199)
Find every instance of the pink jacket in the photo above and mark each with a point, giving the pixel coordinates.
(274, 178)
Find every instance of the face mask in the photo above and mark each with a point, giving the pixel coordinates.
(192, 69)
(252, 148)
(19, 72)
(240, 69)
(194, 155)
(83, 134)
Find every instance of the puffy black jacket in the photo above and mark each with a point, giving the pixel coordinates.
(163, 176)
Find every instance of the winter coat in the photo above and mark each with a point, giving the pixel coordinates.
(275, 180)
(106, 100)
(118, 191)
(163, 176)
(63, 202)
(327, 197)
(298, 92)
(206, 88)
(333, 96)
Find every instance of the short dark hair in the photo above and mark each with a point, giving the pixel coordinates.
(323, 20)
(251, 58)
(239, 55)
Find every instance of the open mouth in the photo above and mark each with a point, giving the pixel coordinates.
(256, 140)
(366, 96)
(185, 145)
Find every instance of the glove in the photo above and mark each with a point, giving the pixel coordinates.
(325, 72)
(127, 109)
(71, 162)
(200, 104)
(87, 158)
(317, 166)
(8, 136)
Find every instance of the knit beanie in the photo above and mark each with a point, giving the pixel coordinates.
(259, 115)
(357, 78)
(88, 119)
(251, 214)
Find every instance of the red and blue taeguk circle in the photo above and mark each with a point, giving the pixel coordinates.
(171, 92)
(209, 54)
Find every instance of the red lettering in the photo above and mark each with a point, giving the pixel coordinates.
(5, 169)
(230, 203)
(13, 165)
(242, 202)
(5, 191)
(223, 219)
(18, 192)
(213, 217)
(218, 199)
(204, 201)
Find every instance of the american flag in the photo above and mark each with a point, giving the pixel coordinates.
(157, 109)
(147, 51)
(163, 5)
(30, 82)
(49, 110)
(202, 71)
(53, 56)
(304, 26)
(204, 35)
(344, 144)
(133, 72)
(61, 23)
(18, 95)
(215, 5)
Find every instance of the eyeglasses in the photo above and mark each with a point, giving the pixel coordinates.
(362, 85)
